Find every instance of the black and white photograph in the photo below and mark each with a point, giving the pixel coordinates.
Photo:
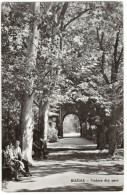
(62, 74)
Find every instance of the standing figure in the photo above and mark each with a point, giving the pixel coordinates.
(43, 146)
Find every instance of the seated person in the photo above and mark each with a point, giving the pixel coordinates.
(11, 154)
(7, 161)
(17, 155)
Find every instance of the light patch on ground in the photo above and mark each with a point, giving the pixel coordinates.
(78, 151)
(72, 134)
(65, 179)
(75, 141)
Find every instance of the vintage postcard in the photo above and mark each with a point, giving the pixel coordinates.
(62, 96)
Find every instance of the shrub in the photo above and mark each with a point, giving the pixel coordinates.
(52, 135)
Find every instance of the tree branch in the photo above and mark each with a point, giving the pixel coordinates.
(32, 91)
(102, 69)
(64, 9)
(115, 47)
(102, 36)
(47, 7)
(76, 17)
(48, 72)
(100, 40)
(98, 37)
(115, 54)
(119, 58)
(36, 103)
(80, 14)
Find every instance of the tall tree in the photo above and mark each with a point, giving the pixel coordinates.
(28, 95)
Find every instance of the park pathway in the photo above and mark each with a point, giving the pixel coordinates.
(72, 143)
(73, 170)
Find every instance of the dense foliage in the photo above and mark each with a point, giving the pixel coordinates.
(79, 59)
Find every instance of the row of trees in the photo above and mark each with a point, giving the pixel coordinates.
(56, 53)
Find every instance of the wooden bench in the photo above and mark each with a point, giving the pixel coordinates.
(6, 170)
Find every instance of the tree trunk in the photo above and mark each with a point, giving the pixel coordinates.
(8, 118)
(27, 112)
(112, 140)
(27, 126)
(46, 123)
(113, 134)
(44, 117)
(113, 73)
(27, 105)
(101, 137)
(41, 121)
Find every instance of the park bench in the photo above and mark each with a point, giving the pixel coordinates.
(6, 171)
